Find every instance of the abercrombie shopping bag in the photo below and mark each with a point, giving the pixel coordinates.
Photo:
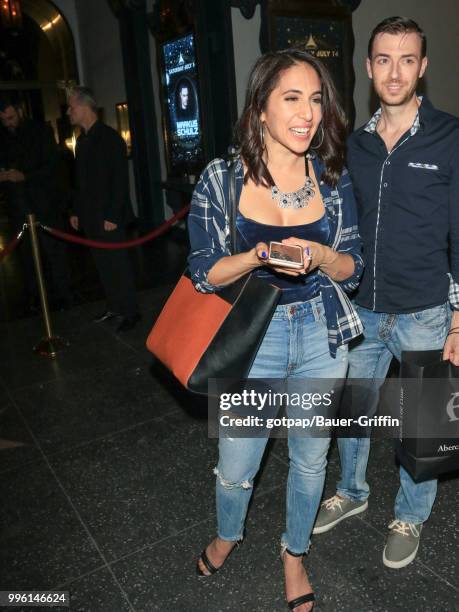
(429, 415)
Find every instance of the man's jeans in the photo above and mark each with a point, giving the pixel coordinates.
(295, 346)
(386, 336)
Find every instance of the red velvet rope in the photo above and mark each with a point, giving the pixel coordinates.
(11, 246)
(120, 245)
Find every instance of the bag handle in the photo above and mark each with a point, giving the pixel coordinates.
(232, 208)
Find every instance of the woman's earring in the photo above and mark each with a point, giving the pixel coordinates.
(321, 139)
(262, 136)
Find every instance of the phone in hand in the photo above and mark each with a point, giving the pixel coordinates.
(285, 255)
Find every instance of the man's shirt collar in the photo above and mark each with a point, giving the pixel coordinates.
(372, 124)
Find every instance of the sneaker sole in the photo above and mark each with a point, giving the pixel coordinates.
(403, 562)
(329, 526)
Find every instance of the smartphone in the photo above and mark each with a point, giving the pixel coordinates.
(285, 255)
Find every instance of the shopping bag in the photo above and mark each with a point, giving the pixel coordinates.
(429, 415)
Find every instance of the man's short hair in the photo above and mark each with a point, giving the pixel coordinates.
(398, 25)
(6, 100)
(84, 95)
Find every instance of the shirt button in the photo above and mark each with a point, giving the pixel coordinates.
(385, 185)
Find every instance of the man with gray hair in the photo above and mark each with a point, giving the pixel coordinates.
(102, 206)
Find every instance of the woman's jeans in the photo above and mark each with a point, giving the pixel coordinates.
(296, 346)
(386, 336)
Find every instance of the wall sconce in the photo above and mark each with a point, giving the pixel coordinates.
(122, 119)
(10, 13)
(70, 143)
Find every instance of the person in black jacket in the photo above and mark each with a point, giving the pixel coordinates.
(29, 177)
(102, 206)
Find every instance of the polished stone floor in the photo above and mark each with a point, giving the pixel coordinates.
(106, 484)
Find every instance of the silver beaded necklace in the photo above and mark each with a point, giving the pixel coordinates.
(295, 199)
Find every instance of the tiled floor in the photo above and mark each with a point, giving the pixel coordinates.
(107, 491)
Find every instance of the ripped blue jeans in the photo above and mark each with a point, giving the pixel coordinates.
(295, 345)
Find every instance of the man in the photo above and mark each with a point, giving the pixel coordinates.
(184, 108)
(404, 165)
(102, 206)
(29, 178)
(184, 95)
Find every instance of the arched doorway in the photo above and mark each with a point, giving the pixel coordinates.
(38, 61)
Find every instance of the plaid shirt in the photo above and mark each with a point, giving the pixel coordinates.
(208, 226)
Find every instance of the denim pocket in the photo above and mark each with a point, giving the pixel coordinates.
(432, 317)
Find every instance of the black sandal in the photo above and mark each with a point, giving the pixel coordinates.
(300, 600)
(308, 597)
(209, 565)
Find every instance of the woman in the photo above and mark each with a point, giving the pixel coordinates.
(291, 187)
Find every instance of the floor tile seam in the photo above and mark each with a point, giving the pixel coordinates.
(271, 490)
(75, 511)
(158, 541)
(109, 436)
(279, 459)
(134, 552)
(64, 585)
(418, 561)
(177, 426)
(64, 377)
(119, 339)
(75, 447)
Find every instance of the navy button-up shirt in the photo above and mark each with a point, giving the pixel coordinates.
(408, 205)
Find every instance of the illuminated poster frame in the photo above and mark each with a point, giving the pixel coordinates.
(181, 105)
(320, 29)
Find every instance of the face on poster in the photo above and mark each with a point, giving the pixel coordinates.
(182, 102)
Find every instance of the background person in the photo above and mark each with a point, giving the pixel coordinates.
(102, 206)
(283, 195)
(29, 177)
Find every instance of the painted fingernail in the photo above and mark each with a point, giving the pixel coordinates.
(264, 254)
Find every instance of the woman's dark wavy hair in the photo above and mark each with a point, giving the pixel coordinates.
(263, 79)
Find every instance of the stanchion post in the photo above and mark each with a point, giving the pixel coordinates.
(50, 344)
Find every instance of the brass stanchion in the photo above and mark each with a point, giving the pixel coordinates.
(50, 345)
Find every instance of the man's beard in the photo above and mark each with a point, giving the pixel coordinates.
(393, 100)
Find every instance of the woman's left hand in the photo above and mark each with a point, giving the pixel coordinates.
(314, 253)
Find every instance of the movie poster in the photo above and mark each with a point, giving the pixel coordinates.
(182, 103)
(326, 39)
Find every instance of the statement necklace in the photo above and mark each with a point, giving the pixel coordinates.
(295, 199)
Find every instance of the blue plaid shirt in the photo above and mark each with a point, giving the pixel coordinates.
(209, 230)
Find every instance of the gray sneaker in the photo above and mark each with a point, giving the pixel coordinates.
(402, 544)
(336, 509)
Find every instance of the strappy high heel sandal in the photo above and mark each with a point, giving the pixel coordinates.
(209, 565)
(302, 599)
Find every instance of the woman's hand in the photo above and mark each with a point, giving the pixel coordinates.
(315, 254)
(338, 266)
(230, 268)
(262, 251)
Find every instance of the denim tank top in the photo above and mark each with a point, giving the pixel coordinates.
(294, 288)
